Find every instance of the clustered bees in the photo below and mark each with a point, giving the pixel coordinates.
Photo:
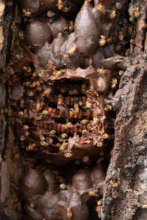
(60, 121)
(65, 79)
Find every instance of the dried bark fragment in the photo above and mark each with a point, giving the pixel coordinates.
(128, 163)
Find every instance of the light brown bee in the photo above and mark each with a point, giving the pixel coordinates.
(27, 83)
(106, 136)
(26, 127)
(22, 138)
(99, 203)
(45, 112)
(83, 88)
(50, 141)
(108, 108)
(63, 146)
(113, 14)
(72, 50)
(100, 144)
(102, 41)
(93, 192)
(101, 8)
(114, 184)
(52, 132)
(121, 35)
(68, 155)
(60, 100)
(88, 104)
(71, 25)
(63, 90)
(69, 213)
(47, 92)
(38, 106)
(114, 82)
(64, 135)
(60, 4)
(66, 9)
(102, 71)
(136, 12)
(34, 75)
(44, 143)
(33, 85)
(84, 132)
(57, 73)
(72, 114)
(31, 147)
(21, 113)
(22, 103)
(85, 159)
(84, 121)
(32, 205)
(27, 69)
(62, 186)
(31, 94)
(26, 13)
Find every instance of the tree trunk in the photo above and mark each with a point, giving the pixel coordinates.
(125, 188)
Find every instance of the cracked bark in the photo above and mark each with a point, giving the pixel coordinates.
(128, 165)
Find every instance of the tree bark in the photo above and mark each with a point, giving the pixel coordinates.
(128, 165)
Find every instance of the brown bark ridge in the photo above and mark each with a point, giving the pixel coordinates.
(9, 167)
(125, 193)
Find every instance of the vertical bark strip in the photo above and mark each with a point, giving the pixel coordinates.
(128, 165)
